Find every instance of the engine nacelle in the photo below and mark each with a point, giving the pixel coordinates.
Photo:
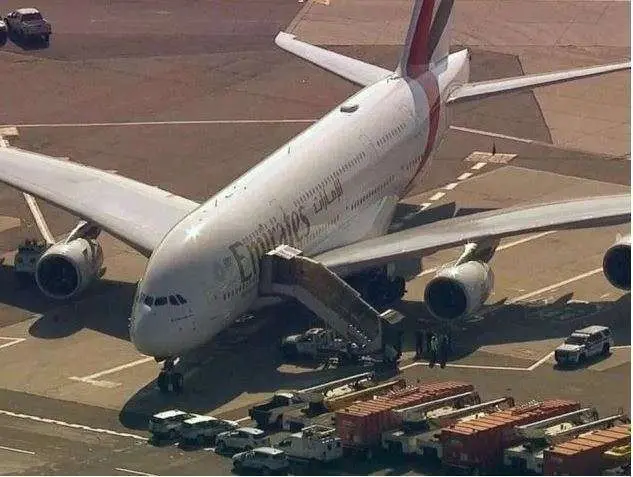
(459, 290)
(68, 267)
(616, 264)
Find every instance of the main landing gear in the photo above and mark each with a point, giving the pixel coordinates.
(169, 379)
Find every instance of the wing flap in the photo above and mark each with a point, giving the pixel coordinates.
(579, 213)
(471, 91)
(351, 69)
(137, 213)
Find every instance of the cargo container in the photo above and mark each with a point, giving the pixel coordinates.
(479, 443)
(584, 455)
(361, 425)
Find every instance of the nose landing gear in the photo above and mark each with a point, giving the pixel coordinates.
(169, 379)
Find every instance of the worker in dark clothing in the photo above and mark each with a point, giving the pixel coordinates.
(419, 344)
(443, 350)
(434, 348)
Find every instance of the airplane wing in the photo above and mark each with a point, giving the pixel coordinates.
(471, 91)
(579, 213)
(351, 69)
(136, 213)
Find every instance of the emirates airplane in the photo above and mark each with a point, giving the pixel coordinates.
(330, 192)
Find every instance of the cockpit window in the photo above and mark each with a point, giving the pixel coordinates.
(148, 300)
(173, 301)
(181, 299)
(160, 301)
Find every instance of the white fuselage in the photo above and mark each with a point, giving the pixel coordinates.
(335, 183)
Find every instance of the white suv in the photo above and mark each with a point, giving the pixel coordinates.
(244, 438)
(585, 343)
(266, 460)
(202, 430)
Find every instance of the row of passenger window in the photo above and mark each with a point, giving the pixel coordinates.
(395, 132)
(175, 300)
(368, 195)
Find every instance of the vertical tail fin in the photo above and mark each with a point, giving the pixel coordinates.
(428, 38)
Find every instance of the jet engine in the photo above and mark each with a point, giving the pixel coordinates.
(68, 267)
(616, 264)
(459, 290)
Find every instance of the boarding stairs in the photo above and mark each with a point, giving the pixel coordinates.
(285, 271)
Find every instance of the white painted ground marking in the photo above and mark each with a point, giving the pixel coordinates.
(17, 450)
(464, 176)
(493, 134)
(478, 166)
(541, 361)
(92, 379)
(437, 196)
(502, 247)
(128, 471)
(242, 419)
(467, 366)
(450, 186)
(554, 286)
(11, 341)
(68, 424)
(162, 123)
(621, 347)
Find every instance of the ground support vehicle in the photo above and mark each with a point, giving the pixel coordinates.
(267, 460)
(320, 404)
(585, 454)
(27, 24)
(244, 438)
(420, 436)
(362, 424)
(167, 424)
(478, 444)
(202, 430)
(314, 445)
(583, 344)
(271, 412)
(316, 343)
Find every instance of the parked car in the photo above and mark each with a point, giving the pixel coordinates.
(266, 460)
(244, 438)
(28, 24)
(167, 424)
(201, 430)
(585, 343)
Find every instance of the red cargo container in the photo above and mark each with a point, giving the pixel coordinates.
(583, 455)
(479, 443)
(362, 424)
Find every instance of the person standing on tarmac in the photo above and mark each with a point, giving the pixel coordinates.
(434, 347)
(443, 351)
(419, 344)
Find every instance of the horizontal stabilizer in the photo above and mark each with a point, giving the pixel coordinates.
(351, 69)
(471, 91)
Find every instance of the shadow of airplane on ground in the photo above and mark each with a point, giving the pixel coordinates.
(245, 358)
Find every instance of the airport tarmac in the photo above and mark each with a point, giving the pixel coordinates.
(124, 89)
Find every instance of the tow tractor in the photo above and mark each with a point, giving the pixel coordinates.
(316, 343)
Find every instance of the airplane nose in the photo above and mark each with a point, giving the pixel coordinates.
(146, 333)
